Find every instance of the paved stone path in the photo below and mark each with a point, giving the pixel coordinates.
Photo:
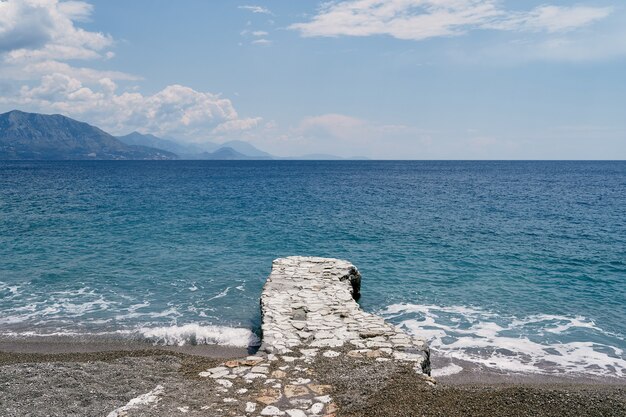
(309, 309)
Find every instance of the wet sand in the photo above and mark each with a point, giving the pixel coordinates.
(94, 344)
(65, 378)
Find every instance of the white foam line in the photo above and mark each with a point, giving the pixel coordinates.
(503, 342)
(143, 399)
(448, 370)
(220, 295)
(196, 334)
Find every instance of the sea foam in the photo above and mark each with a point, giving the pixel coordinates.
(533, 344)
(194, 334)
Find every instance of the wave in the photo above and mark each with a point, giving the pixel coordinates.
(11, 290)
(195, 334)
(188, 334)
(533, 344)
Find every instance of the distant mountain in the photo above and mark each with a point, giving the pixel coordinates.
(319, 157)
(140, 139)
(247, 149)
(39, 136)
(236, 149)
(225, 153)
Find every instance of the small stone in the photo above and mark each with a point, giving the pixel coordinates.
(295, 413)
(279, 374)
(301, 381)
(366, 334)
(309, 352)
(295, 391)
(249, 363)
(269, 396)
(374, 354)
(299, 324)
(216, 370)
(330, 354)
(250, 407)
(320, 389)
(231, 364)
(240, 370)
(316, 408)
(324, 399)
(252, 375)
(219, 374)
(242, 390)
(224, 382)
(260, 369)
(301, 402)
(270, 410)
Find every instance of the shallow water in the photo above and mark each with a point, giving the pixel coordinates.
(519, 266)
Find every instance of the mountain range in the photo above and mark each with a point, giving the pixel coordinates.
(36, 136)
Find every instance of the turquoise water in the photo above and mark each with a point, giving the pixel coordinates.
(517, 265)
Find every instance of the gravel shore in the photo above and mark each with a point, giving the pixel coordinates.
(367, 388)
(88, 383)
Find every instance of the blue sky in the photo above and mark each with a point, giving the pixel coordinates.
(409, 79)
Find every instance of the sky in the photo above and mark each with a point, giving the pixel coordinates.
(394, 79)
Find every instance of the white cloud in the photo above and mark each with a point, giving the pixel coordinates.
(338, 134)
(256, 9)
(45, 29)
(263, 42)
(334, 126)
(259, 37)
(175, 110)
(38, 36)
(237, 125)
(552, 19)
(423, 19)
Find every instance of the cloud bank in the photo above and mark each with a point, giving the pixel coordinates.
(39, 37)
(422, 19)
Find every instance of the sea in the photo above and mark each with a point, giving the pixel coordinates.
(515, 266)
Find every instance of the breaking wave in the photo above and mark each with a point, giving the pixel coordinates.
(541, 343)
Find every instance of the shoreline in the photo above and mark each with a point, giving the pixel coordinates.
(84, 381)
(321, 356)
(39, 349)
(70, 345)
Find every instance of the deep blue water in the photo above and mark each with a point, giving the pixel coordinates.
(529, 257)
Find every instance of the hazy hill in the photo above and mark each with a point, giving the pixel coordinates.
(225, 153)
(141, 139)
(40, 136)
(235, 149)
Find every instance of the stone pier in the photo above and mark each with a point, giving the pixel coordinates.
(309, 303)
(309, 315)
